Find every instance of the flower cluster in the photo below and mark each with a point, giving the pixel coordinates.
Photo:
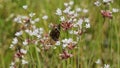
(30, 34)
(73, 23)
(106, 12)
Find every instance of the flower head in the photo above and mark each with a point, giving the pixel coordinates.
(15, 40)
(45, 17)
(25, 6)
(106, 14)
(66, 25)
(58, 12)
(65, 55)
(106, 66)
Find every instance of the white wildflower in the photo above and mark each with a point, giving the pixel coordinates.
(57, 43)
(25, 6)
(98, 61)
(71, 12)
(15, 41)
(45, 17)
(24, 62)
(32, 22)
(107, 1)
(71, 3)
(11, 46)
(85, 10)
(97, 3)
(58, 12)
(87, 20)
(37, 20)
(106, 66)
(19, 33)
(18, 19)
(39, 36)
(71, 31)
(12, 65)
(23, 51)
(67, 10)
(80, 21)
(32, 14)
(65, 45)
(115, 10)
(66, 4)
(54, 47)
(78, 9)
(25, 43)
(74, 20)
(87, 25)
(62, 18)
(75, 32)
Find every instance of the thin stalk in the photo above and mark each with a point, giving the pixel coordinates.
(117, 45)
(38, 59)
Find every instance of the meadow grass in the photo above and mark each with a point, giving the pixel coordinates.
(101, 41)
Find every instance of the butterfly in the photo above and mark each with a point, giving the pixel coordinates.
(55, 32)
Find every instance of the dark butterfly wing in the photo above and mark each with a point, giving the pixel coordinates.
(55, 33)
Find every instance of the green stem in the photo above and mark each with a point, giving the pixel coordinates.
(38, 59)
(117, 45)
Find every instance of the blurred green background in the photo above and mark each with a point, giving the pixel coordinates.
(102, 40)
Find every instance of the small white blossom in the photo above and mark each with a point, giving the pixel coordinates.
(57, 43)
(39, 36)
(75, 15)
(11, 46)
(85, 10)
(67, 10)
(18, 19)
(45, 17)
(25, 6)
(70, 20)
(27, 31)
(24, 62)
(74, 20)
(66, 4)
(87, 25)
(97, 3)
(67, 41)
(106, 66)
(58, 12)
(12, 65)
(107, 1)
(37, 20)
(71, 3)
(62, 18)
(80, 21)
(71, 31)
(71, 12)
(25, 43)
(64, 45)
(32, 22)
(54, 47)
(32, 14)
(98, 61)
(15, 41)
(75, 32)
(19, 33)
(23, 51)
(87, 20)
(115, 10)
(78, 9)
